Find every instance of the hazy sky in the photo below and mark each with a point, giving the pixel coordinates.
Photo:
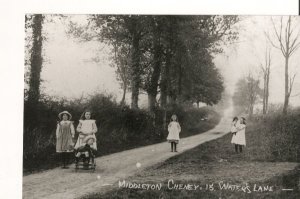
(71, 73)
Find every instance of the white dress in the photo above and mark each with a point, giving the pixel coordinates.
(240, 137)
(174, 130)
(86, 128)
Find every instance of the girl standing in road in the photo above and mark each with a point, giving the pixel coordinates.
(174, 130)
(240, 138)
(86, 127)
(64, 136)
(233, 130)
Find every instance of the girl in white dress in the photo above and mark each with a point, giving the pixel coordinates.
(240, 138)
(174, 130)
(233, 130)
(86, 127)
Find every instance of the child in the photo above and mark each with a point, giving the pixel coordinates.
(240, 138)
(87, 150)
(174, 130)
(233, 130)
(64, 136)
(86, 127)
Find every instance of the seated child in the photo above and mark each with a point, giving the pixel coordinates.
(87, 149)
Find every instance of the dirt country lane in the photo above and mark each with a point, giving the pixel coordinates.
(68, 184)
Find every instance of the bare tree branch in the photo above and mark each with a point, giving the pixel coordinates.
(295, 95)
(279, 37)
(272, 43)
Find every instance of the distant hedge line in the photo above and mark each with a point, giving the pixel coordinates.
(119, 128)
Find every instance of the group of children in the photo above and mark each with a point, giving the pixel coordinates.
(86, 143)
(65, 132)
(238, 127)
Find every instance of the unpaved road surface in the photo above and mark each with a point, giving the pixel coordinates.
(67, 184)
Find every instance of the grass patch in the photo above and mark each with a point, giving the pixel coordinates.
(216, 162)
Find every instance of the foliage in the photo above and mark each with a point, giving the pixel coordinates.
(119, 128)
(246, 95)
(164, 55)
(280, 135)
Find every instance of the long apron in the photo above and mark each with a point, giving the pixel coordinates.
(64, 142)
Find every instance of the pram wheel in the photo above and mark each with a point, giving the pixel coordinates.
(93, 164)
(85, 163)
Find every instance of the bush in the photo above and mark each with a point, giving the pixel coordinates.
(279, 136)
(119, 128)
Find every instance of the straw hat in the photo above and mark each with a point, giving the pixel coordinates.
(64, 112)
(89, 137)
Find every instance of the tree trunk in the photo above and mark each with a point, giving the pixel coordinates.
(265, 93)
(151, 102)
(164, 85)
(124, 94)
(267, 90)
(251, 110)
(152, 91)
(179, 85)
(36, 60)
(135, 59)
(286, 88)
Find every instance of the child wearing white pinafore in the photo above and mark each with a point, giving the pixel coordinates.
(86, 127)
(240, 138)
(174, 130)
(233, 130)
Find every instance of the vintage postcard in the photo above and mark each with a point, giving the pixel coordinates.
(161, 106)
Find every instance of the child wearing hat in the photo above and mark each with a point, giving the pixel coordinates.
(87, 149)
(64, 136)
(86, 127)
(174, 130)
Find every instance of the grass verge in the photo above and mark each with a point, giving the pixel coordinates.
(251, 174)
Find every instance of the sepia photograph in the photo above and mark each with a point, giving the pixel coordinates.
(161, 106)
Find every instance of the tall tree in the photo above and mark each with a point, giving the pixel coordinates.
(266, 69)
(161, 49)
(156, 26)
(287, 41)
(246, 94)
(122, 63)
(124, 29)
(200, 39)
(36, 59)
(170, 40)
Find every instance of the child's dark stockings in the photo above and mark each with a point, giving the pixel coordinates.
(175, 147)
(241, 148)
(236, 148)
